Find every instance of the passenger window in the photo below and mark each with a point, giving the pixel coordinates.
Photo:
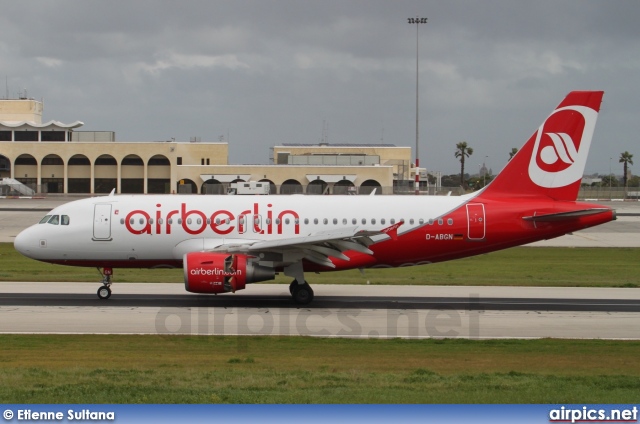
(382, 221)
(421, 221)
(160, 221)
(65, 220)
(151, 221)
(286, 221)
(306, 221)
(354, 221)
(392, 221)
(344, 221)
(45, 219)
(277, 221)
(121, 221)
(364, 221)
(450, 221)
(325, 221)
(373, 221)
(335, 221)
(411, 221)
(440, 222)
(315, 221)
(54, 220)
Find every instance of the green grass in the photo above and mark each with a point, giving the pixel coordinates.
(176, 369)
(523, 266)
(207, 369)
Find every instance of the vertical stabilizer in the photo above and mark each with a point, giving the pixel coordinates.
(552, 162)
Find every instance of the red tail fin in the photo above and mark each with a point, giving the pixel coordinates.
(552, 162)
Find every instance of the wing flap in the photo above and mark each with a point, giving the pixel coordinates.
(317, 247)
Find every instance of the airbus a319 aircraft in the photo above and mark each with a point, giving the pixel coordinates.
(224, 243)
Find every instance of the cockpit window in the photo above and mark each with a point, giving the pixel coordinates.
(54, 220)
(45, 219)
(65, 220)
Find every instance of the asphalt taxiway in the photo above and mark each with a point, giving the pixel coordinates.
(337, 311)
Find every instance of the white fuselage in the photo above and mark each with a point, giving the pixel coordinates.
(165, 227)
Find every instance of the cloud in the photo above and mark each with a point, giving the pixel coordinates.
(271, 71)
(186, 61)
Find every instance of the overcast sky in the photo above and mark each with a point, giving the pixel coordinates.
(262, 73)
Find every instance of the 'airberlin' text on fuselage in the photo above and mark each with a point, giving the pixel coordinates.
(194, 221)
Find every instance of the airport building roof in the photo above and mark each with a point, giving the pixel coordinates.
(31, 124)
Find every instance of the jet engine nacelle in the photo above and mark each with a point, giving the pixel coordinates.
(221, 272)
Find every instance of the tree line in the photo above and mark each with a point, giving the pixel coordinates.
(464, 151)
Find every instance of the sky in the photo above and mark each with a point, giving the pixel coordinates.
(267, 72)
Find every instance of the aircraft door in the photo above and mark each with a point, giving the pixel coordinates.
(102, 222)
(476, 220)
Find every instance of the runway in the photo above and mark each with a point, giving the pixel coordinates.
(338, 311)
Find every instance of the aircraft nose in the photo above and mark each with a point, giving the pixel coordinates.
(23, 242)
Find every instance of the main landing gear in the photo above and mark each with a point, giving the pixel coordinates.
(302, 293)
(300, 290)
(104, 292)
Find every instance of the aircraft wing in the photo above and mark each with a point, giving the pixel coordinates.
(317, 247)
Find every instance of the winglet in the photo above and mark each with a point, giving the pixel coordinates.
(112, 192)
(392, 231)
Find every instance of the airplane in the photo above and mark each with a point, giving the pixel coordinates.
(224, 243)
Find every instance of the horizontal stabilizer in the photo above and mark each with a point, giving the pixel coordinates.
(564, 216)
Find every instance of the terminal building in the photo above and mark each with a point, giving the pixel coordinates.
(53, 157)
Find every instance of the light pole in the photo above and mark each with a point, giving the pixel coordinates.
(417, 21)
(610, 176)
(484, 174)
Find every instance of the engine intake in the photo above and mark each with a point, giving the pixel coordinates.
(221, 272)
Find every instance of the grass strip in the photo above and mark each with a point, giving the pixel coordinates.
(177, 369)
(522, 266)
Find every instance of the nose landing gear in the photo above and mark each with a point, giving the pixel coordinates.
(104, 292)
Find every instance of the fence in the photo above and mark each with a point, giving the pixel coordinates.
(585, 193)
(609, 193)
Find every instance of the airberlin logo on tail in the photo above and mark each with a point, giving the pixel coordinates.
(561, 147)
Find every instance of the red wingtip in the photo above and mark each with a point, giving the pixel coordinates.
(392, 231)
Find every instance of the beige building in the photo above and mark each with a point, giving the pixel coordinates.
(53, 157)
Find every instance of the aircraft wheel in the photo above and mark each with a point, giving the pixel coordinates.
(104, 292)
(302, 294)
(293, 284)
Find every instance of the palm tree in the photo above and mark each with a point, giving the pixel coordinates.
(627, 159)
(462, 151)
(513, 152)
